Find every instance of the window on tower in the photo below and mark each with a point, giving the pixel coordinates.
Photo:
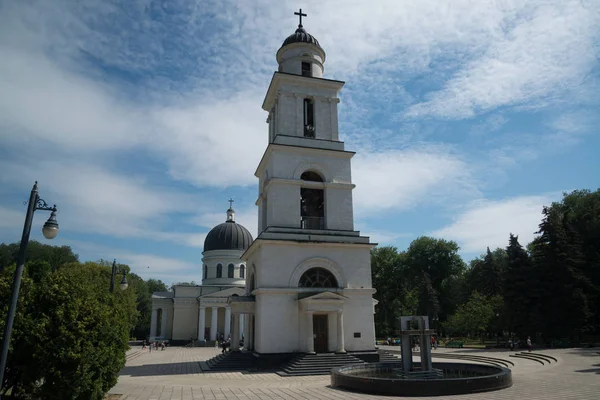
(230, 269)
(306, 69)
(219, 271)
(242, 271)
(309, 118)
(312, 203)
(318, 278)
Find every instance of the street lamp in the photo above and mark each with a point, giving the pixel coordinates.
(50, 230)
(123, 285)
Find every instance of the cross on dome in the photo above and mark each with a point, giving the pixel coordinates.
(300, 15)
(230, 212)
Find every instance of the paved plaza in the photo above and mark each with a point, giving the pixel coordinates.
(175, 374)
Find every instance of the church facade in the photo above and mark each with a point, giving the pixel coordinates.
(308, 285)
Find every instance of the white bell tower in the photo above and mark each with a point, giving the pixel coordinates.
(307, 243)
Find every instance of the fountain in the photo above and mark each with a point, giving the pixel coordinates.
(423, 378)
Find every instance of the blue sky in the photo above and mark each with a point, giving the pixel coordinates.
(140, 119)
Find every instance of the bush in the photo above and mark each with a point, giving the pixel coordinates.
(70, 334)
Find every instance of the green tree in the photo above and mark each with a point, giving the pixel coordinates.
(439, 259)
(394, 293)
(55, 256)
(560, 259)
(476, 316)
(520, 290)
(70, 334)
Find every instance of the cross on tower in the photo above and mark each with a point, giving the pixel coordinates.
(300, 15)
(230, 202)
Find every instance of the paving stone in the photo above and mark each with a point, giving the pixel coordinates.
(175, 374)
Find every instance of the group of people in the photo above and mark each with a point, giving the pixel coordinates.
(513, 342)
(154, 345)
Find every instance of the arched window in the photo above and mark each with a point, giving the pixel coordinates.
(312, 203)
(242, 271)
(309, 118)
(318, 278)
(205, 272)
(219, 271)
(311, 176)
(230, 269)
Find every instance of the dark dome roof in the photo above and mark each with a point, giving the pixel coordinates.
(301, 36)
(228, 236)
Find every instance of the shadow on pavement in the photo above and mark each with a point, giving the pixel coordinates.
(181, 368)
(592, 370)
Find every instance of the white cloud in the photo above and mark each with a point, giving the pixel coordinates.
(92, 199)
(546, 50)
(400, 179)
(488, 223)
(146, 265)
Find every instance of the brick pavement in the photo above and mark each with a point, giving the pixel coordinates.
(175, 374)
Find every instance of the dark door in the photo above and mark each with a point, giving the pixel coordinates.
(320, 333)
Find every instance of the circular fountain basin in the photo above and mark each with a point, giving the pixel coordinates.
(383, 378)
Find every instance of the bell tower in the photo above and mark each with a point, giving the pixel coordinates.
(306, 242)
(304, 176)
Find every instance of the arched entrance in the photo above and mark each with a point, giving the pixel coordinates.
(319, 278)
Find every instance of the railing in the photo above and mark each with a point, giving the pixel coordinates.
(312, 223)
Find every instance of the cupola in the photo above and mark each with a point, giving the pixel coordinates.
(301, 53)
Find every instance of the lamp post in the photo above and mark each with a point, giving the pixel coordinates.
(123, 285)
(50, 230)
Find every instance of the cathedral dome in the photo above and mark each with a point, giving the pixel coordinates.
(228, 236)
(300, 36)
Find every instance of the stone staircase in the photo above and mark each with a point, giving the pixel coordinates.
(316, 364)
(384, 356)
(229, 361)
(538, 357)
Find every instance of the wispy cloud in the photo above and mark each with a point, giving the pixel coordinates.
(538, 54)
(402, 178)
(488, 223)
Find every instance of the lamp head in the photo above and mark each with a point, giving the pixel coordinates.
(50, 229)
(123, 285)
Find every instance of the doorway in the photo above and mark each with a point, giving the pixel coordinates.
(320, 333)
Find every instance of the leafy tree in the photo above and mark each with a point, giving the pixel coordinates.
(394, 293)
(55, 256)
(476, 316)
(70, 333)
(439, 259)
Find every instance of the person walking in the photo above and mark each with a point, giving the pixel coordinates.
(529, 343)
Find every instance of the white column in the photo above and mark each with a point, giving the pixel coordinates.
(241, 324)
(201, 323)
(310, 338)
(227, 322)
(213, 323)
(153, 322)
(249, 334)
(340, 332)
(235, 339)
(163, 323)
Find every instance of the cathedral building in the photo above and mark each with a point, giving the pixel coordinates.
(304, 284)
(201, 312)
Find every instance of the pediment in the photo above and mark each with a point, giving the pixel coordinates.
(224, 294)
(323, 296)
